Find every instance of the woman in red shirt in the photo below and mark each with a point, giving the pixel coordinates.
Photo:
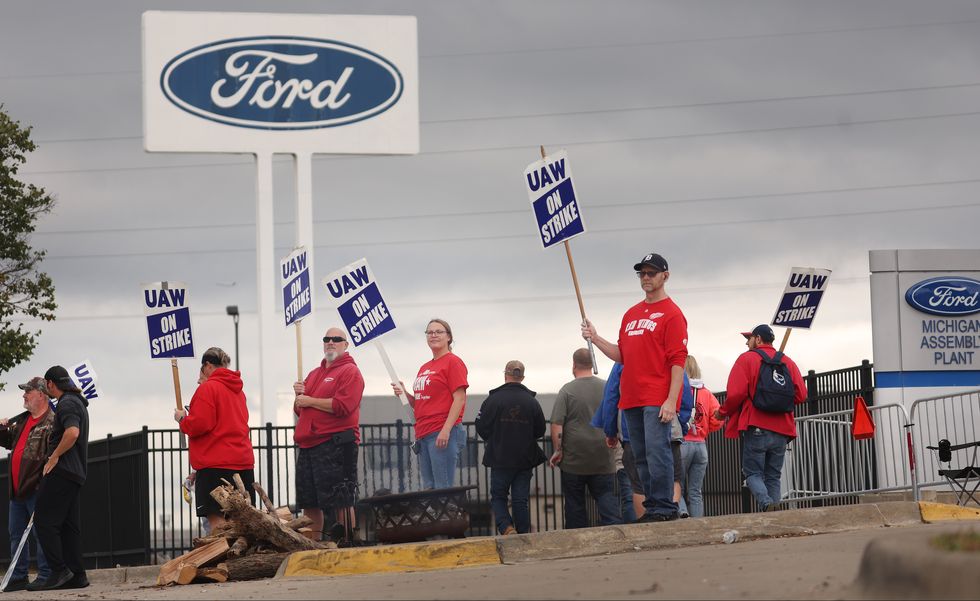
(438, 398)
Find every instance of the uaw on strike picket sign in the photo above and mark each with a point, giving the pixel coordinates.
(168, 320)
(297, 297)
(803, 292)
(362, 309)
(552, 195)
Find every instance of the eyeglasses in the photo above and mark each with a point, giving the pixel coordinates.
(647, 274)
(334, 339)
(435, 332)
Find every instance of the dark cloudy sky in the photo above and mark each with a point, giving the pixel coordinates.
(738, 139)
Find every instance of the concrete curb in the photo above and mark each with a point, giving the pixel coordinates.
(561, 544)
(396, 558)
(904, 565)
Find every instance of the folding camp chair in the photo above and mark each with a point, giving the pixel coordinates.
(960, 479)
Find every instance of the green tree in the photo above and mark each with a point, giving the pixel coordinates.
(25, 291)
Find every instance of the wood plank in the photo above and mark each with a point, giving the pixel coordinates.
(171, 571)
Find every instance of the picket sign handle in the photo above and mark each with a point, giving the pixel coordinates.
(299, 351)
(176, 374)
(785, 338)
(391, 370)
(578, 291)
(20, 549)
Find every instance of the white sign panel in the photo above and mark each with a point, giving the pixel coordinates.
(556, 210)
(251, 82)
(85, 378)
(168, 320)
(297, 297)
(362, 309)
(803, 292)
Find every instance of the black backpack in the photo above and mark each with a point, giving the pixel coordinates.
(774, 392)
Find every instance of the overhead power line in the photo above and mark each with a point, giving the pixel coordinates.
(601, 111)
(566, 144)
(552, 49)
(523, 211)
(469, 239)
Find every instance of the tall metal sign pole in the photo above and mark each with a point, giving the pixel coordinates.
(267, 84)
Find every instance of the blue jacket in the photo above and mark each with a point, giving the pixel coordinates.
(605, 415)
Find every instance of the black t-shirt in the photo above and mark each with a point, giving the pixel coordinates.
(71, 412)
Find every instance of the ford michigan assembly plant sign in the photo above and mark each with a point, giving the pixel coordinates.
(946, 314)
(227, 82)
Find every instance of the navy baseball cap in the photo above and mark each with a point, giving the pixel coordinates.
(762, 331)
(653, 260)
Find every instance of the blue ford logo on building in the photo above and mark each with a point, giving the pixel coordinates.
(281, 83)
(945, 296)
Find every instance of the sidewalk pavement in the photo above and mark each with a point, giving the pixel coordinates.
(879, 567)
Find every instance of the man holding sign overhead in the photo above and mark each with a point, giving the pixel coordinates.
(652, 347)
(328, 408)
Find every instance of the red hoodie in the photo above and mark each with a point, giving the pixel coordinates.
(342, 382)
(217, 424)
(741, 387)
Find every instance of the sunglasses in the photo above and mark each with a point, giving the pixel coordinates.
(647, 274)
(334, 339)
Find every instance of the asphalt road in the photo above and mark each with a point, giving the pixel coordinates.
(807, 567)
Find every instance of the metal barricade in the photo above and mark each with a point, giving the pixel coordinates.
(826, 462)
(954, 417)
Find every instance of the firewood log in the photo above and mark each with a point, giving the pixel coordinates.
(180, 568)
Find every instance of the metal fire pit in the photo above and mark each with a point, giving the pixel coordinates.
(416, 516)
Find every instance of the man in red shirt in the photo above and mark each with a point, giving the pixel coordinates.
(765, 434)
(652, 347)
(328, 408)
(27, 436)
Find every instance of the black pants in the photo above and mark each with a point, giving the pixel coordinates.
(57, 519)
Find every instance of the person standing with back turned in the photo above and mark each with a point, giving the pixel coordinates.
(764, 434)
(58, 512)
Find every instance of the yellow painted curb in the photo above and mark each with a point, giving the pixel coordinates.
(394, 558)
(942, 512)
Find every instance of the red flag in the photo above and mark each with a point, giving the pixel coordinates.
(862, 426)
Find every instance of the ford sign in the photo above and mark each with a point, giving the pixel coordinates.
(945, 296)
(281, 83)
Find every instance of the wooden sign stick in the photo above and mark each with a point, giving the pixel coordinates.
(578, 291)
(176, 373)
(785, 338)
(299, 351)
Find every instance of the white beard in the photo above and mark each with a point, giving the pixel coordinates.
(331, 356)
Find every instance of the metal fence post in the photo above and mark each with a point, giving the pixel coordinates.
(400, 454)
(867, 382)
(811, 393)
(268, 460)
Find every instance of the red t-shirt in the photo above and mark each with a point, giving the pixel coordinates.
(19, 448)
(434, 386)
(652, 339)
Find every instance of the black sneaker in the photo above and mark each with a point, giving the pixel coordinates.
(656, 517)
(55, 580)
(77, 581)
(16, 585)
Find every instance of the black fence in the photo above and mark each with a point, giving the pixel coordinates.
(134, 512)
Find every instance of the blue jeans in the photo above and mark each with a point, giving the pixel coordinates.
(438, 466)
(518, 484)
(650, 442)
(600, 486)
(694, 457)
(626, 510)
(19, 515)
(763, 453)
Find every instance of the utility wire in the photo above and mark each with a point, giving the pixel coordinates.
(524, 211)
(628, 109)
(698, 224)
(525, 146)
(625, 45)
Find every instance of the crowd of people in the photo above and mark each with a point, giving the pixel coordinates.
(642, 432)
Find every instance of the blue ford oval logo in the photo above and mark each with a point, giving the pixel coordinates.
(281, 83)
(945, 296)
